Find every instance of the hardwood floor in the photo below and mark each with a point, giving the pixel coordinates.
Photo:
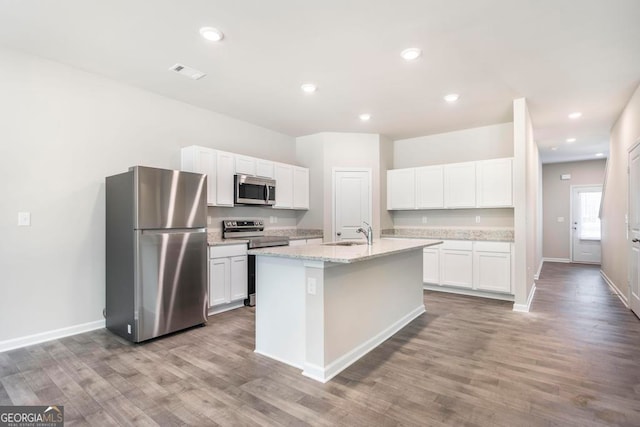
(573, 360)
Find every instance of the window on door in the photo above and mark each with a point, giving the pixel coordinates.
(589, 210)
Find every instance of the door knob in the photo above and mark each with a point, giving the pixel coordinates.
(339, 233)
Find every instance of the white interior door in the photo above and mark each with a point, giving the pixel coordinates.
(634, 229)
(585, 223)
(352, 202)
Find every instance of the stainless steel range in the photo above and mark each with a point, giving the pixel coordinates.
(253, 231)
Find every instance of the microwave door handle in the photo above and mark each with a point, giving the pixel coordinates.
(266, 194)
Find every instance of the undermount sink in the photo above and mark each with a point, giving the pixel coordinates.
(346, 243)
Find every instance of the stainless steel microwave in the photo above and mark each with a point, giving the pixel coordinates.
(250, 190)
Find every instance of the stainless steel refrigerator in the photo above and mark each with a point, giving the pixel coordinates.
(156, 252)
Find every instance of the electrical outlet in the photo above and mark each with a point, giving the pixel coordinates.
(24, 219)
(477, 219)
(275, 219)
(311, 286)
(424, 219)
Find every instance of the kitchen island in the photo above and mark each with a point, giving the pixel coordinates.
(322, 307)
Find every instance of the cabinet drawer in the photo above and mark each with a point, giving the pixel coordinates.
(457, 245)
(504, 247)
(224, 251)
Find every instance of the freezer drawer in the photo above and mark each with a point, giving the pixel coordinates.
(171, 281)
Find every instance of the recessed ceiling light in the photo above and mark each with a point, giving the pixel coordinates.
(452, 97)
(554, 148)
(599, 154)
(365, 117)
(211, 34)
(570, 140)
(575, 115)
(309, 88)
(411, 54)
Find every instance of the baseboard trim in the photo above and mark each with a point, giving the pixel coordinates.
(278, 359)
(562, 260)
(468, 292)
(615, 289)
(225, 307)
(41, 337)
(325, 374)
(524, 308)
(537, 275)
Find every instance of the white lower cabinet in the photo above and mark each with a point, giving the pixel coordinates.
(431, 267)
(456, 264)
(474, 265)
(492, 266)
(228, 270)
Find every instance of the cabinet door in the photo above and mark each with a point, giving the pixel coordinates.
(219, 281)
(456, 268)
(492, 271)
(284, 186)
(245, 165)
(494, 183)
(224, 175)
(401, 189)
(431, 265)
(239, 272)
(201, 160)
(460, 185)
(264, 168)
(430, 187)
(300, 188)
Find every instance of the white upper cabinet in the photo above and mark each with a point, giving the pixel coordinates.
(300, 188)
(292, 182)
(494, 183)
(283, 175)
(201, 160)
(401, 189)
(225, 168)
(245, 165)
(264, 168)
(481, 184)
(430, 187)
(460, 185)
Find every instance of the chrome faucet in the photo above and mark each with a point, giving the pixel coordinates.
(368, 233)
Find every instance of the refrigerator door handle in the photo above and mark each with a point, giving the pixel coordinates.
(173, 230)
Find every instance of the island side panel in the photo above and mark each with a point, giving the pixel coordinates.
(280, 309)
(365, 303)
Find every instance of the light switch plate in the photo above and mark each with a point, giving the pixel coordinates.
(24, 219)
(560, 219)
(477, 219)
(424, 219)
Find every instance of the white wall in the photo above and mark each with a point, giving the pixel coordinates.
(62, 132)
(527, 169)
(557, 202)
(328, 150)
(481, 143)
(624, 135)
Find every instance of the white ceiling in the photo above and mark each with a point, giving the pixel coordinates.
(562, 55)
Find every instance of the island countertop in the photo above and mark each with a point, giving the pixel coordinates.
(329, 252)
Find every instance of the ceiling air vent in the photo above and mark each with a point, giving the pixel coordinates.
(183, 70)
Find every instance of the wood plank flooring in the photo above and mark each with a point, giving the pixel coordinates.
(574, 360)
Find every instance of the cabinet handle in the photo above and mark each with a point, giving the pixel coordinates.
(635, 240)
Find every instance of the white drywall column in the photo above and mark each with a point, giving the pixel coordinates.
(520, 201)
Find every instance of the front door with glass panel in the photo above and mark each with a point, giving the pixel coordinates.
(585, 223)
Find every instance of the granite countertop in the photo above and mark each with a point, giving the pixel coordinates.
(214, 237)
(345, 254)
(452, 233)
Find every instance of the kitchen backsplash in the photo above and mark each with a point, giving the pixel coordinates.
(502, 217)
